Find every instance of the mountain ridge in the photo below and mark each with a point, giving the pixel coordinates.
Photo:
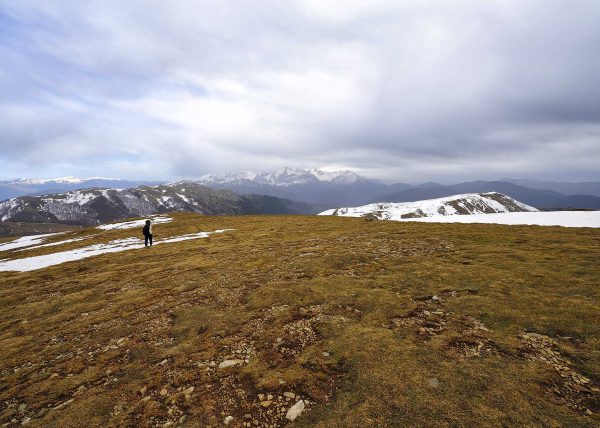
(336, 188)
(91, 206)
(539, 198)
(34, 186)
(462, 204)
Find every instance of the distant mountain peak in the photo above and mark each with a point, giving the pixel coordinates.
(286, 176)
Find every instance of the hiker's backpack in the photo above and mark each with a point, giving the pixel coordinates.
(146, 230)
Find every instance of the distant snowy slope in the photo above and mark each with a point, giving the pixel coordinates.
(466, 204)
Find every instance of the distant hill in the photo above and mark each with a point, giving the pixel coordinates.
(580, 188)
(22, 187)
(91, 206)
(539, 198)
(466, 204)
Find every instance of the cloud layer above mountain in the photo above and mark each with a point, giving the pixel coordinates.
(410, 90)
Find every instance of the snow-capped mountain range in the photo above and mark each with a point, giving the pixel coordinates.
(466, 204)
(284, 177)
(306, 185)
(341, 188)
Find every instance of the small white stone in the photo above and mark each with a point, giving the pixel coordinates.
(228, 420)
(433, 382)
(230, 363)
(295, 411)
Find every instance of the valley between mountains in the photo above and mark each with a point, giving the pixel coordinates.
(304, 321)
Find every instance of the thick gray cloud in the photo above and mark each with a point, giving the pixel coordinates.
(407, 90)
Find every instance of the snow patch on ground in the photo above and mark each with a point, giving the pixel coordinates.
(39, 262)
(26, 241)
(52, 244)
(547, 218)
(134, 223)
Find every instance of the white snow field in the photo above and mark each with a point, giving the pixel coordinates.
(37, 241)
(53, 244)
(134, 223)
(26, 241)
(38, 262)
(548, 218)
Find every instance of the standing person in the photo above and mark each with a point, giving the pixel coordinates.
(147, 233)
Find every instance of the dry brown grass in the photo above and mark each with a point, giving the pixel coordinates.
(280, 291)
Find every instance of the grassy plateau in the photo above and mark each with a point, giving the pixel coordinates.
(368, 323)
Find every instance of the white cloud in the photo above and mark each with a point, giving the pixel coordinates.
(427, 89)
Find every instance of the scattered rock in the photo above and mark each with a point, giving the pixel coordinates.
(288, 394)
(163, 391)
(295, 411)
(230, 363)
(65, 404)
(433, 382)
(266, 403)
(575, 387)
(143, 390)
(228, 420)
(581, 388)
(325, 354)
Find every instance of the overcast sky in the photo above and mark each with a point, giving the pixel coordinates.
(398, 90)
